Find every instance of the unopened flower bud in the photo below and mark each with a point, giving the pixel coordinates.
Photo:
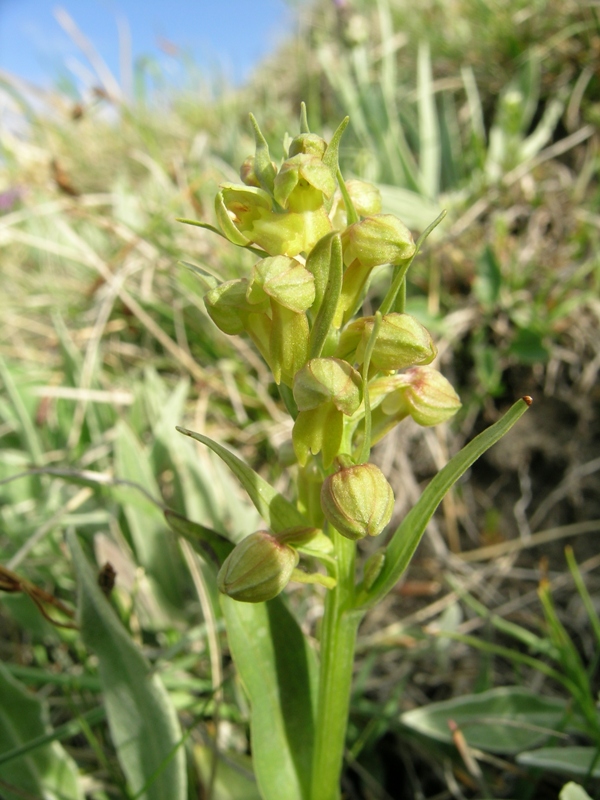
(358, 501)
(227, 305)
(425, 394)
(366, 197)
(257, 569)
(378, 239)
(325, 380)
(283, 279)
(401, 342)
(308, 143)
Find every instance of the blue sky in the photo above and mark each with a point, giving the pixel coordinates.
(233, 34)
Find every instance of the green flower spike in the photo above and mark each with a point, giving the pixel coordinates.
(358, 501)
(401, 342)
(325, 390)
(375, 240)
(257, 569)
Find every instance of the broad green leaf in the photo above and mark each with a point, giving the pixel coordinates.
(46, 771)
(568, 760)
(279, 671)
(407, 536)
(277, 512)
(233, 779)
(143, 724)
(504, 720)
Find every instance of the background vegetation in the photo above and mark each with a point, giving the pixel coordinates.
(487, 108)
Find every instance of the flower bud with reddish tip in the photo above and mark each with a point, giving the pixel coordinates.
(257, 569)
(247, 173)
(425, 395)
(358, 501)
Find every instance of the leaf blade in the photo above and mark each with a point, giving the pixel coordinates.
(142, 720)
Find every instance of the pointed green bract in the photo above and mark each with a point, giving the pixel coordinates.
(408, 535)
(276, 511)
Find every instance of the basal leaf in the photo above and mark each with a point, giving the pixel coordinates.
(581, 761)
(142, 721)
(505, 720)
(279, 671)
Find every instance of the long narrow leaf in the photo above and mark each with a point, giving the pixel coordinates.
(142, 720)
(408, 535)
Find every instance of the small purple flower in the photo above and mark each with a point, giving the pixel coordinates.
(10, 197)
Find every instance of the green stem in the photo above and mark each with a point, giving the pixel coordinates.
(338, 640)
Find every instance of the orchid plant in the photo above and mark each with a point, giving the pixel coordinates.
(346, 380)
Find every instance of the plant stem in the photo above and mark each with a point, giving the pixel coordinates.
(338, 639)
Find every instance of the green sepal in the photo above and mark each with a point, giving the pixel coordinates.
(288, 349)
(230, 231)
(263, 166)
(331, 157)
(328, 264)
(212, 546)
(408, 535)
(318, 430)
(276, 511)
(284, 279)
(303, 118)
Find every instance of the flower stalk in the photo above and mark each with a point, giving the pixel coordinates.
(346, 380)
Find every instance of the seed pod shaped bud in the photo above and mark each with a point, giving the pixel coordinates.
(308, 143)
(257, 569)
(378, 239)
(285, 280)
(425, 394)
(325, 380)
(302, 181)
(401, 342)
(358, 501)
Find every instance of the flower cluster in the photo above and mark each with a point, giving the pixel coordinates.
(318, 240)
